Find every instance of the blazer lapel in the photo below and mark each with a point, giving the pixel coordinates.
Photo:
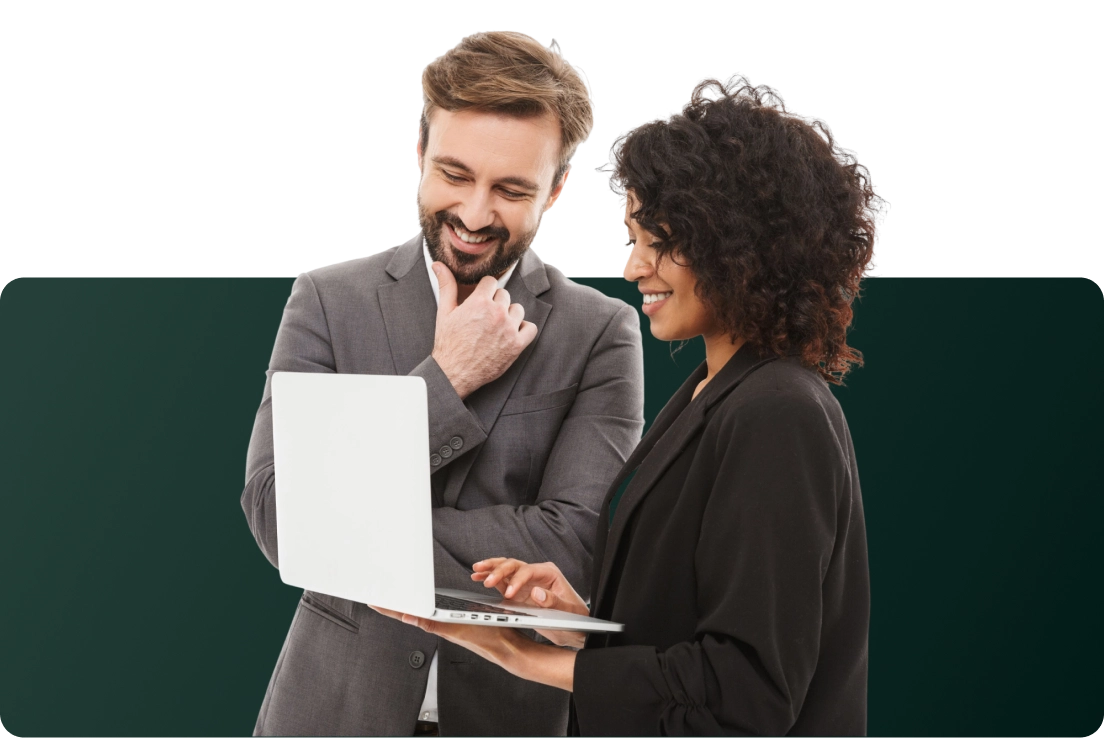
(670, 443)
(409, 311)
(656, 430)
(410, 316)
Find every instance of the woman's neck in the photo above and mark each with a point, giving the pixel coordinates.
(719, 348)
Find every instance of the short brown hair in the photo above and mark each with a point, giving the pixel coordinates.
(513, 74)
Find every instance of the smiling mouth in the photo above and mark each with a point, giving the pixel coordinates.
(467, 242)
(650, 298)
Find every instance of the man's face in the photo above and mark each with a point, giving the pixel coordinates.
(486, 182)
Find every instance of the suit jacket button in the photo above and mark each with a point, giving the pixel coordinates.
(445, 452)
(435, 460)
(417, 658)
(457, 442)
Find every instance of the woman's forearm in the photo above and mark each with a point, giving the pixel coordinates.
(540, 662)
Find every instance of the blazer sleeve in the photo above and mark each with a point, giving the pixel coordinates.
(303, 344)
(597, 435)
(765, 542)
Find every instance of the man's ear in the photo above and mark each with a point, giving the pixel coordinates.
(557, 189)
(418, 148)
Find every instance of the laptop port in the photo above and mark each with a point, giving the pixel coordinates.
(456, 615)
(486, 617)
(475, 617)
(503, 619)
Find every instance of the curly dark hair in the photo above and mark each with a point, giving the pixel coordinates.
(774, 220)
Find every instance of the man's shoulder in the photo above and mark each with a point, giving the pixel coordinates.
(576, 299)
(362, 272)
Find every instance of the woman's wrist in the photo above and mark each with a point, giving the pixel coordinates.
(539, 662)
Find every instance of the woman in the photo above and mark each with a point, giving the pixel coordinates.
(732, 544)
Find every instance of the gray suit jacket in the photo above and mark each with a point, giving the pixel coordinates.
(520, 469)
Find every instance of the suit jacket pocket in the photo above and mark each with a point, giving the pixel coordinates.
(316, 604)
(533, 403)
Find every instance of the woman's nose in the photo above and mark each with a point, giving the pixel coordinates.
(639, 266)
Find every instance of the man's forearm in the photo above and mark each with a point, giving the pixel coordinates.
(457, 378)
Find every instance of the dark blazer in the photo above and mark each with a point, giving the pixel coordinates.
(737, 561)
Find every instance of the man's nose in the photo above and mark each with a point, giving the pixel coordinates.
(477, 211)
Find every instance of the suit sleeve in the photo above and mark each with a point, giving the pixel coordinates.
(303, 344)
(597, 435)
(765, 542)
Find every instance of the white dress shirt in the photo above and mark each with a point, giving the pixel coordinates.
(429, 704)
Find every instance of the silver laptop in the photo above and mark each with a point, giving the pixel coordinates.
(353, 506)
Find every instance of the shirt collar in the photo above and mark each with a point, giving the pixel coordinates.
(433, 277)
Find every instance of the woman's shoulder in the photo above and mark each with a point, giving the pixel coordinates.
(780, 393)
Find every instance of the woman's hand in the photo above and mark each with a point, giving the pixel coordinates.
(535, 585)
(503, 646)
(494, 644)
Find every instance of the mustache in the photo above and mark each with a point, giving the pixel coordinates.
(444, 216)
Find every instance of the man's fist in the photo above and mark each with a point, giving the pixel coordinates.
(476, 342)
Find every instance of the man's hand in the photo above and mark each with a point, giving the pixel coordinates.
(475, 343)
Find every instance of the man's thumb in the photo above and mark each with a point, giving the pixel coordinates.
(447, 284)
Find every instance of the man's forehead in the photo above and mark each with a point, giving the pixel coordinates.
(493, 144)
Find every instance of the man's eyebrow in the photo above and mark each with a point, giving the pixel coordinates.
(522, 182)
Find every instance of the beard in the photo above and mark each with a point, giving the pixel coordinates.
(470, 268)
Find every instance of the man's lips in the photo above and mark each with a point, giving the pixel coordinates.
(464, 245)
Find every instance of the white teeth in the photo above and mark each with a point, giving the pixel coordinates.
(467, 237)
(649, 299)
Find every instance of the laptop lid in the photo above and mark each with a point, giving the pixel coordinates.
(352, 487)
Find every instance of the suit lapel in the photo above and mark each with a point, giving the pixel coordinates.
(683, 423)
(409, 311)
(410, 316)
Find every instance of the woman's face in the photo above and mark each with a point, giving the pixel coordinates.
(670, 301)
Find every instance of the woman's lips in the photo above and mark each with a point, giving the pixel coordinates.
(651, 308)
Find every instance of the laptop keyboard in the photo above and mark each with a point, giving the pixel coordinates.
(451, 603)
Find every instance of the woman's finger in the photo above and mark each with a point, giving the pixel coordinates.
(503, 571)
(518, 581)
(389, 613)
(429, 626)
(487, 564)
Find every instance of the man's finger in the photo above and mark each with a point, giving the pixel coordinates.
(527, 332)
(486, 287)
(517, 312)
(447, 286)
(502, 297)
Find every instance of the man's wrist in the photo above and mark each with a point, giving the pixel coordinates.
(460, 383)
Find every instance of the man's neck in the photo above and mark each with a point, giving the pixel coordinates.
(463, 290)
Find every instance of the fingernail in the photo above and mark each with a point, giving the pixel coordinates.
(409, 619)
(538, 594)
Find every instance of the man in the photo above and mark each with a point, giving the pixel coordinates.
(535, 398)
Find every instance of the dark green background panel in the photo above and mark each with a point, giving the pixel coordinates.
(136, 602)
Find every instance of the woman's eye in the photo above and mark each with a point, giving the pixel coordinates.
(631, 243)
